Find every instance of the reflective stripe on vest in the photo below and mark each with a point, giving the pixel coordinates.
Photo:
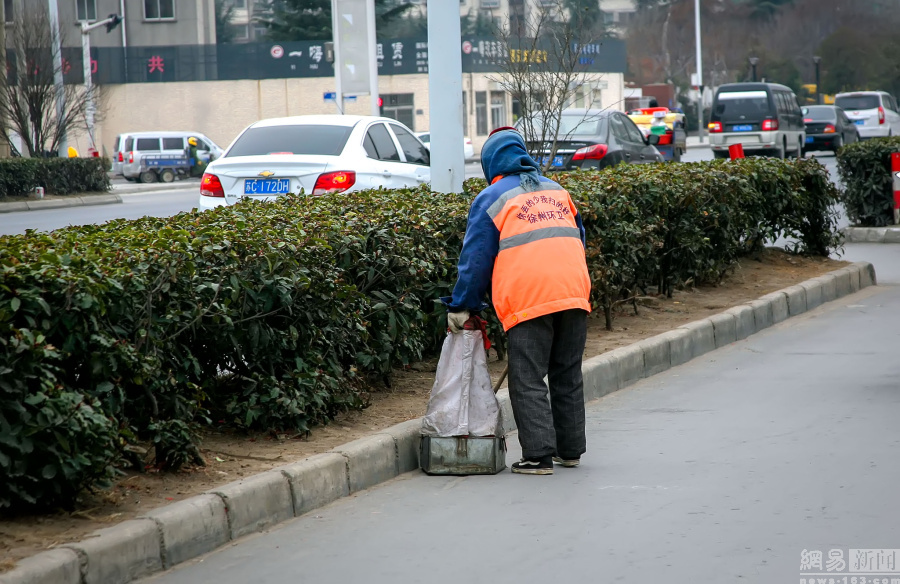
(501, 201)
(544, 233)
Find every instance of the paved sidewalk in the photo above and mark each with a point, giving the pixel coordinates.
(722, 469)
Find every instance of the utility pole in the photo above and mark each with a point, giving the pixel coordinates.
(818, 60)
(110, 22)
(4, 145)
(338, 86)
(56, 51)
(699, 70)
(445, 97)
(373, 61)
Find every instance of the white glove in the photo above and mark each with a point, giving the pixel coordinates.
(456, 320)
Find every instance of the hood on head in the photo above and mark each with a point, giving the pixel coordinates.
(505, 153)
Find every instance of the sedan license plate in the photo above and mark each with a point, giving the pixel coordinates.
(267, 186)
(743, 128)
(557, 161)
(859, 122)
(809, 139)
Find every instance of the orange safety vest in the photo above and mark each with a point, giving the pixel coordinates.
(540, 267)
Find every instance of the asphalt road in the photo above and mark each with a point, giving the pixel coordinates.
(134, 205)
(826, 158)
(721, 470)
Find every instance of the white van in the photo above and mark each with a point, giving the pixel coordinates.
(130, 147)
(875, 113)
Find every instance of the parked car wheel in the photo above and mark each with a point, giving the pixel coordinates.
(167, 175)
(148, 176)
(838, 144)
(130, 179)
(781, 153)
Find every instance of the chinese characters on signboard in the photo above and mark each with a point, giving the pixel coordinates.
(407, 56)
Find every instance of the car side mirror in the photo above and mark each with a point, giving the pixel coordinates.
(653, 139)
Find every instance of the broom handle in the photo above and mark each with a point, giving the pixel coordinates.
(502, 377)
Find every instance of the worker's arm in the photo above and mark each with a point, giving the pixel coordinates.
(578, 222)
(580, 226)
(476, 262)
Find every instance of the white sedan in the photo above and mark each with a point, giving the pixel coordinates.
(318, 154)
(468, 148)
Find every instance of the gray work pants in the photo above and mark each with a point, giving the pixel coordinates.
(550, 346)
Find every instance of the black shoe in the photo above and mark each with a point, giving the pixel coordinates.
(567, 462)
(535, 466)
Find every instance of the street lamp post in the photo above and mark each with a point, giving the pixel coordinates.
(818, 60)
(4, 147)
(110, 23)
(56, 54)
(699, 70)
(753, 62)
(445, 96)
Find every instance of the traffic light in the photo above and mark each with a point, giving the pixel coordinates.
(114, 20)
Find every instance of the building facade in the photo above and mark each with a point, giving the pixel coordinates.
(616, 13)
(145, 23)
(164, 71)
(243, 20)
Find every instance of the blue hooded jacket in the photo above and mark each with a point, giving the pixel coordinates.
(504, 154)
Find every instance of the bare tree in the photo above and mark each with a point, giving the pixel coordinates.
(545, 71)
(29, 104)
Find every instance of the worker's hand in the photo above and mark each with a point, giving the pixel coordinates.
(456, 320)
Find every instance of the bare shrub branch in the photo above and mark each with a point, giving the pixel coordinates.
(544, 73)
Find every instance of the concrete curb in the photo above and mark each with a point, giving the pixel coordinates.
(256, 502)
(872, 234)
(120, 554)
(73, 201)
(184, 530)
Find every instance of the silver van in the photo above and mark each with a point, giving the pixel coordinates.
(131, 147)
(764, 118)
(875, 113)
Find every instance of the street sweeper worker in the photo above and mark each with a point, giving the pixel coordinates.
(525, 241)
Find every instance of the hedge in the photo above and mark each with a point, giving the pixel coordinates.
(276, 315)
(865, 170)
(58, 176)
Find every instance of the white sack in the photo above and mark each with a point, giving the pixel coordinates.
(462, 401)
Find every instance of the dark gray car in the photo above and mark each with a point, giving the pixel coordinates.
(828, 128)
(594, 139)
